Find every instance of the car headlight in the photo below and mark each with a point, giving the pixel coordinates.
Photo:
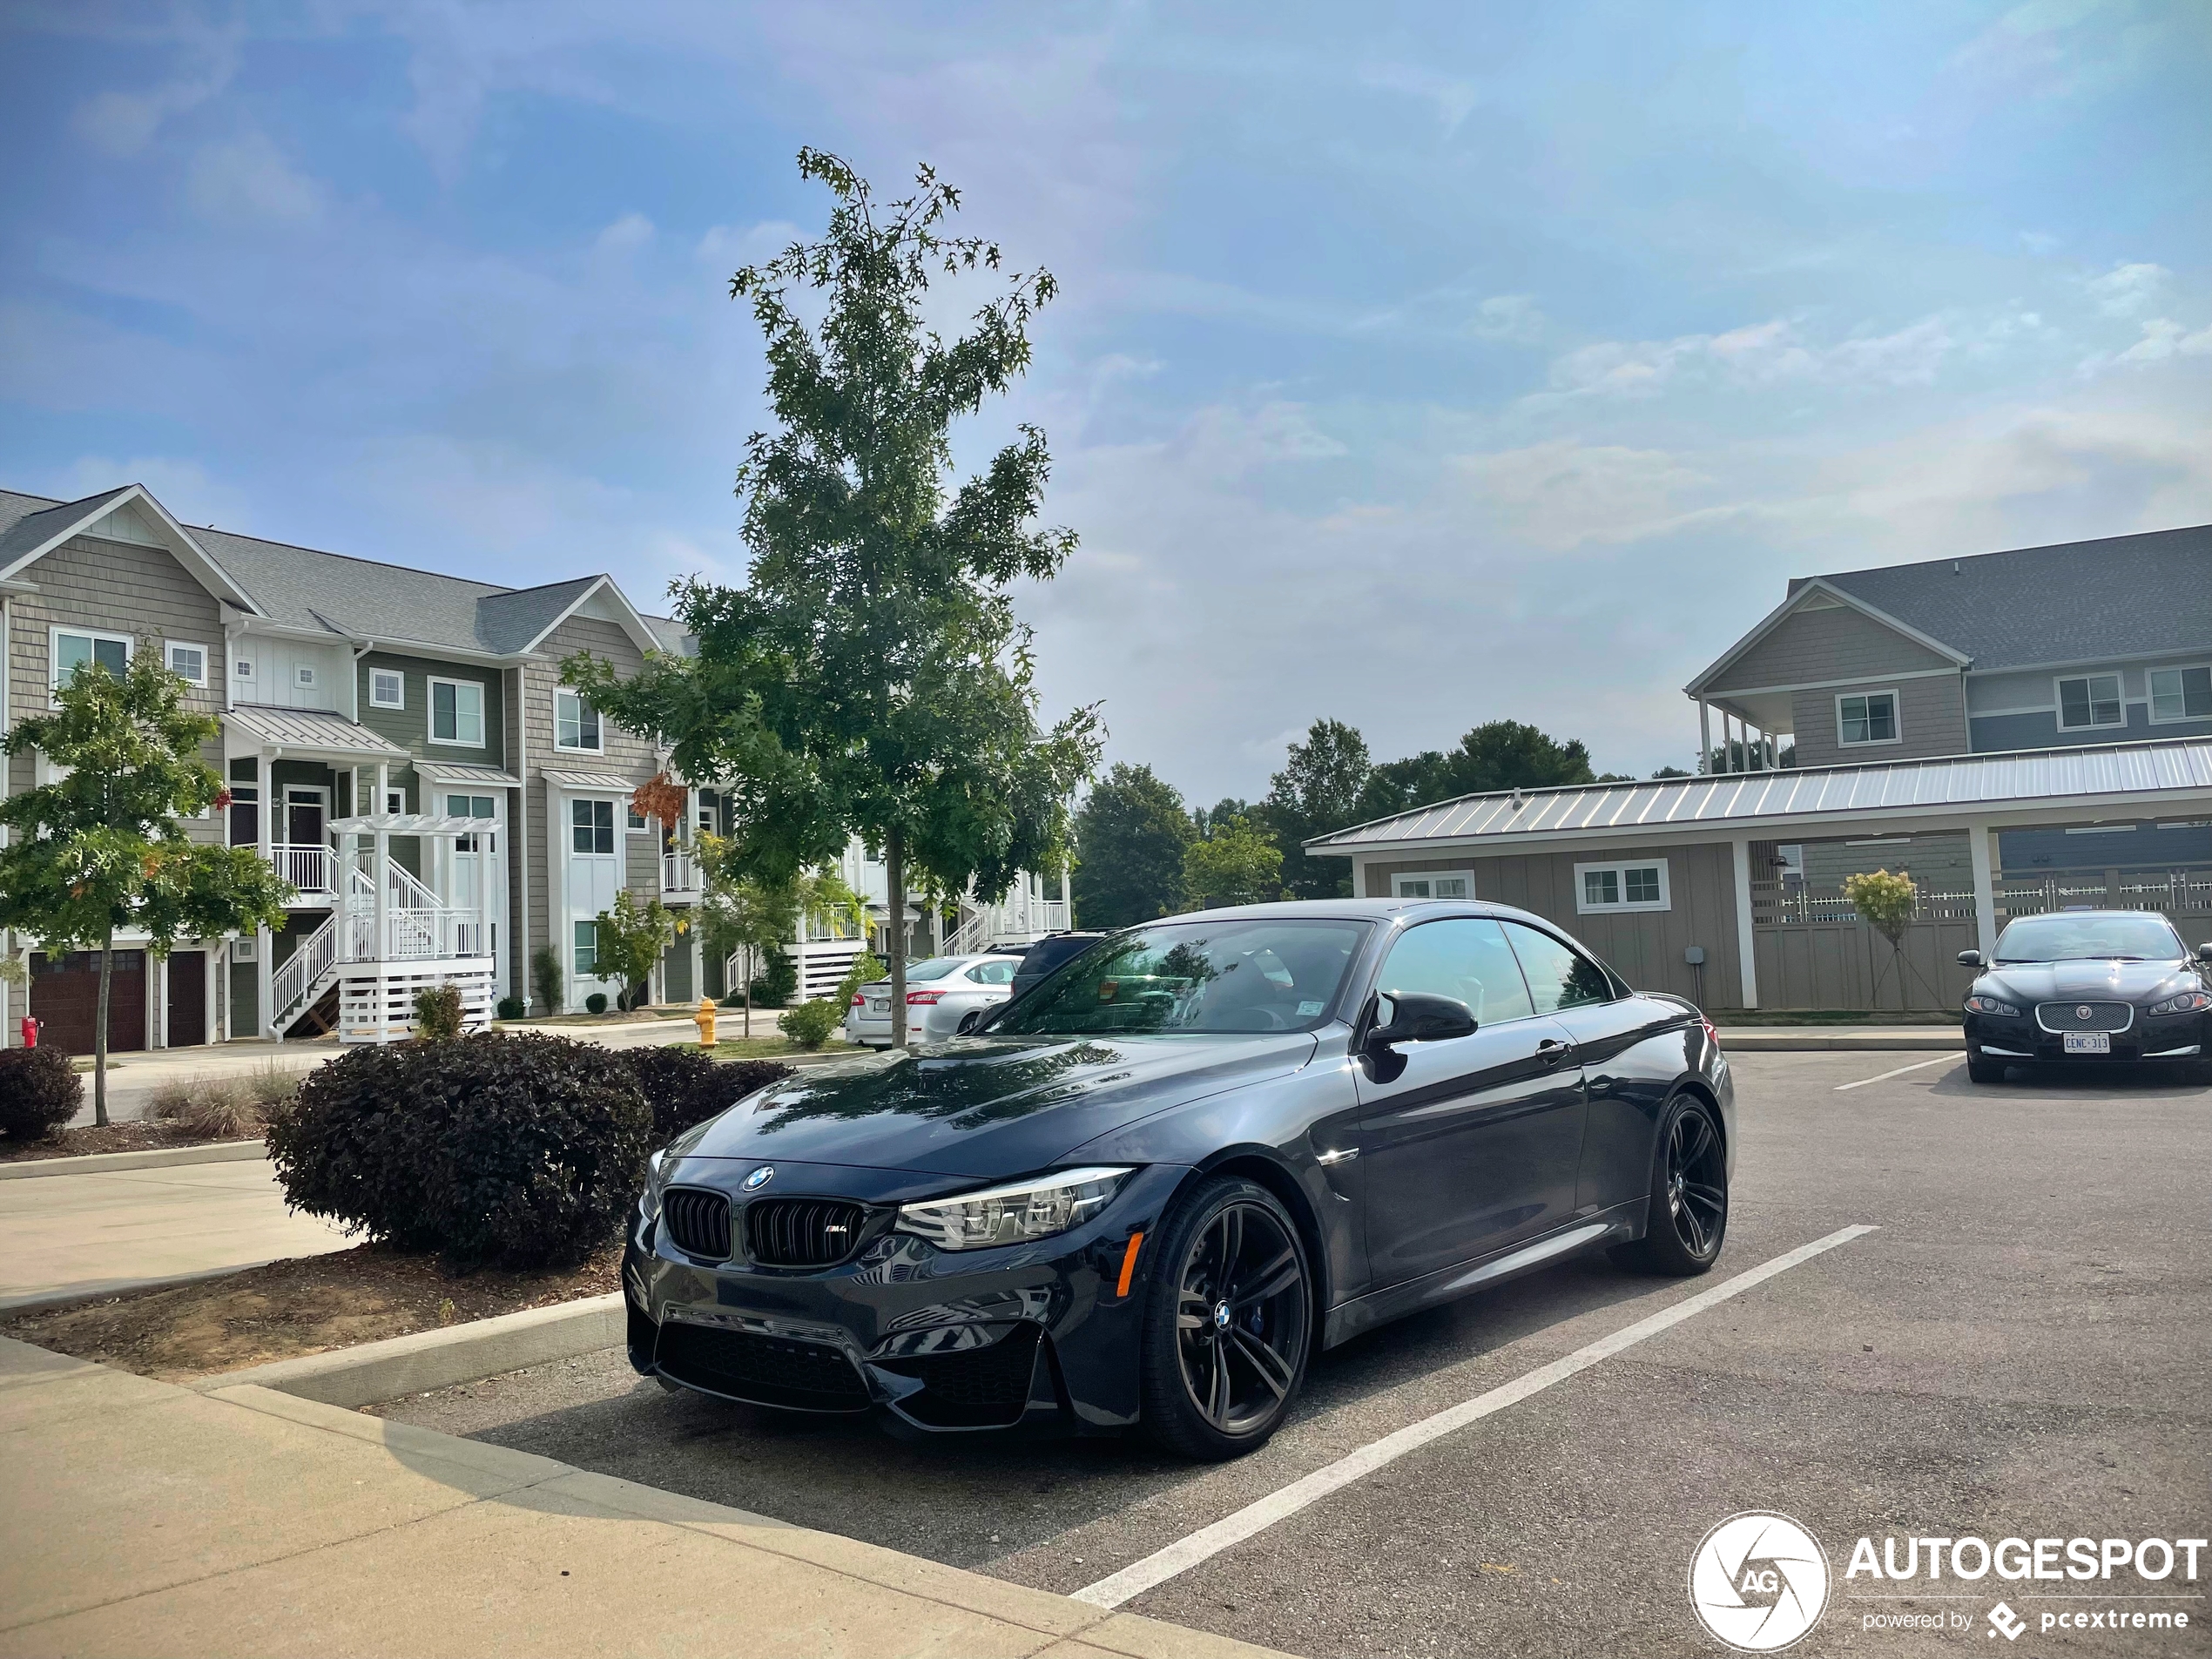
(1990, 1005)
(1013, 1213)
(2186, 1003)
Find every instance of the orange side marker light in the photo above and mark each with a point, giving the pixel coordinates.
(1129, 1264)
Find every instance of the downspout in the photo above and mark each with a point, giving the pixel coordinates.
(523, 987)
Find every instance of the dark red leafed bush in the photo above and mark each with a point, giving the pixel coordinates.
(524, 1151)
(39, 1092)
(685, 1086)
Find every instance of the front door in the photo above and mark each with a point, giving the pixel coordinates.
(187, 1008)
(594, 878)
(306, 809)
(1475, 1144)
(475, 859)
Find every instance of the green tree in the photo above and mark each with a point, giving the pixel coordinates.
(1317, 791)
(740, 915)
(630, 938)
(1238, 864)
(99, 850)
(1500, 754)
(870, 677)
(1129, 837)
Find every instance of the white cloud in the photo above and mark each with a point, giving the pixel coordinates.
(1561, 493)
(1453, 98)
(2164, 338)
(626, 235)
(246, 181)
(184, 487)
(118, 123)
(2127, 289)
(1508, 316)
(1232, 440)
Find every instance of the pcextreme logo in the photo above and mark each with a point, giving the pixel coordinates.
(1758, 1581)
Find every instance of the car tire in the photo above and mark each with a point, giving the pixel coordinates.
(1215, 1387)
(1687, 1221)
(1984, 1071)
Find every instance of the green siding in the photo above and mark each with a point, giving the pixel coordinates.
(410, 727)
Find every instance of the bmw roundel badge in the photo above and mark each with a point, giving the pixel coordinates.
(760, 1177)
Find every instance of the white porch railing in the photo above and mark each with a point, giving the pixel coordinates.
(312, 870)
(1019, 918)
(678, 873)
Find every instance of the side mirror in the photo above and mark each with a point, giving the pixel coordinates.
(1972, 959)
(1417, 1016)
(2204, 952)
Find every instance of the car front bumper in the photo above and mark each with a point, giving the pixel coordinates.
(1035, 1335)
(2158, 1040)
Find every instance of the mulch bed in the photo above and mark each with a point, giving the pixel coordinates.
(111, 1137)
(306, 1306)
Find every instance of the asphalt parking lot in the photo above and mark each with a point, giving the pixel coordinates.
(2019, 1348)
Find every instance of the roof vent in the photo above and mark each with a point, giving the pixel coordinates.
(1517, 802)
(1954, 567)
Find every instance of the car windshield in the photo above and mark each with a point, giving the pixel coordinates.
(1264, 974)
(932, 967)
(2089, 936)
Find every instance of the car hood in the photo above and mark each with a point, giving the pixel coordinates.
(988, 1106)
(2028, 983)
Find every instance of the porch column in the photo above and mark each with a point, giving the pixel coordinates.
(1740, 854)
(383, 783)
(484, 899)
(1985, 888)
(383, 946)
(1068, 907)
(265, 944)
(1705, 737)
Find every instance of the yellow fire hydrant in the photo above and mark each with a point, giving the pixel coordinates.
(704, 1019)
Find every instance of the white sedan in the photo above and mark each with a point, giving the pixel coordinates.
(938, 991)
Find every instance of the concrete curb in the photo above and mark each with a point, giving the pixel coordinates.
(1750, 1040)
(427, 1359)
(159, 1157)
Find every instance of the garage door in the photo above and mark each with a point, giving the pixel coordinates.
(66, 999)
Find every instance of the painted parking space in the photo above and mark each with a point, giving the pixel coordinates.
(2018, 1348)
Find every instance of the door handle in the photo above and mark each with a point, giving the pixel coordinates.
(1551, 1052)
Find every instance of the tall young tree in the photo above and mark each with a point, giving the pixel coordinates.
(1317, 791)
(1130, 839)
(870, 677)
(99, 850)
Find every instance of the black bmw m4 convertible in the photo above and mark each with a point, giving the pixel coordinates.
(1150, 1188)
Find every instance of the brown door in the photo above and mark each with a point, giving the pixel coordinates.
(66, 999)
(187, 998)
(303, 818)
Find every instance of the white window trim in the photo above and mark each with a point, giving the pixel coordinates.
(395, 797)
(577, 748)
(303, 674)
(1897, 718)
(613, 851)
(242, 669)
(376, 701)
(2150, 696)
(1621, 868)
(430, 712)
(1399, 877)
(54, 633)
(207, 657)
(2058, 701)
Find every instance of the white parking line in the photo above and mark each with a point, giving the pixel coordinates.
(1209, 1541)
(1884, 1076)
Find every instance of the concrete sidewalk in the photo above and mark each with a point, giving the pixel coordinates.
(137, 1517)
(67, 1236)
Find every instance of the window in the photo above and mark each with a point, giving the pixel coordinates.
(246, 668)
(304, 674)
(1868, 718)
(1465, 959)
(2091, 700)
(1638, 884)
(576, 723)
(245, 950)
(1433, 884)
(2181, 694)
(591, 825)
(587, 948)
(386, 689)
(634, 822)
(468, 807)
(188, 662)
(1559, 976)
(70, 650)
(395, 799)
(1000, 973)
(457, 713)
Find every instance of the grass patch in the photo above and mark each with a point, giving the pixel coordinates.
(766, 1048)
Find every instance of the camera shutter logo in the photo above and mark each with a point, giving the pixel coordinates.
(1758, 1581)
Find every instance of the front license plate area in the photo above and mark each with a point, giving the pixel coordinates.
(2089, 1042)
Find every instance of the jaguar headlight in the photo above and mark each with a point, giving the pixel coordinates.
(2186, 1003)
(1990, 1005)
(1016, 1212)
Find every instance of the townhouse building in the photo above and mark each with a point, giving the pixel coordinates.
(396, 742)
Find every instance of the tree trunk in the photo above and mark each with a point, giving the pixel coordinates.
(99, 1033)
(894, 871)
(748, 990)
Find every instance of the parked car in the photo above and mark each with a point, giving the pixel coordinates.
(939, 990)
(1048, 953)
(1149, 1192)
(2077, 987)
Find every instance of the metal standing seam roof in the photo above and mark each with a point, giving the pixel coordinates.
(608, 781)
(312, 729)
(1740, 799)
(456, 771)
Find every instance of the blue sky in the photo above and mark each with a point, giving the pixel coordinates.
(1416, 365)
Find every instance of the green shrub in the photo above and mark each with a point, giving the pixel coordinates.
(438, 1013)
(512, 1008)
(596, 1003)
(867, 968)
(685, 1086)
(546, 979)
(778, 980)
(524, 1151)
(810, 1024)
(40, 1091)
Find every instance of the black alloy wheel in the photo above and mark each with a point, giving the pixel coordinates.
(1228, 1322)
(1688, 1218)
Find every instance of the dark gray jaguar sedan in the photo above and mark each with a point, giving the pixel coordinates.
(2088, 986)
(1151, 1188)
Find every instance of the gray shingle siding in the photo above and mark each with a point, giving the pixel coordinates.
(1834, 643)
(1931, 721)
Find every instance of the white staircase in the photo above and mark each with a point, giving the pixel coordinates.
(1020, 919)
(425, 943)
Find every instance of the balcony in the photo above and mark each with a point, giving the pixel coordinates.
(312, 870)
(679, 876)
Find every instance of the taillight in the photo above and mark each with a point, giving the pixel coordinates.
(922, 999)
(859, 1001)
(1711, 1036)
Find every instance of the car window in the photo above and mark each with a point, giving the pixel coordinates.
(932, 967)
(2088, 936)
(1465, 957)
(997, 973)
(1048, 953)
(1558, 977)
(1262, 974)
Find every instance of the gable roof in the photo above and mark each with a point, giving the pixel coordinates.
(339, 595)
(35, 526)
(1806, 590)
(2117, 597)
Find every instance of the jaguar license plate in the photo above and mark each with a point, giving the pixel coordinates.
(2089, 1042)
(879, 1005)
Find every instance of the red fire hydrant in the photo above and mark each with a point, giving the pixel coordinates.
(29, 1032)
